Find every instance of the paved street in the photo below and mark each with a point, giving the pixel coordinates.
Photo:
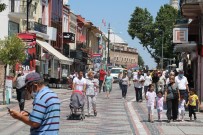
(115, 116)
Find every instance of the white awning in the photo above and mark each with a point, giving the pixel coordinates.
(63, 59)
(185, 47)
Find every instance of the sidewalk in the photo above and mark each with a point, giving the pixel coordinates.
(13, 101)
(163, 128)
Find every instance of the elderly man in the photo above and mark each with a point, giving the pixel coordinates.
(45, 116)
(182, 83)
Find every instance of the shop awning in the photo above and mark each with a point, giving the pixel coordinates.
(185, 47)
(63, 59)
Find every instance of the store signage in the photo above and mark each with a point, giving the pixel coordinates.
(180, 35)
(68, 37)
(29, 64)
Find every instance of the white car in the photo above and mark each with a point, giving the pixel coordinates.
(115, 72)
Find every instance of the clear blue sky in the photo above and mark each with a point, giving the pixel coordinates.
(117, 13)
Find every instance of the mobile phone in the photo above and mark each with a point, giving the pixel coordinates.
(8, 109)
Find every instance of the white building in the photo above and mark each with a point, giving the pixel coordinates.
(174, 3)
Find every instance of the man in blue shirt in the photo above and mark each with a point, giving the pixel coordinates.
(45, 116)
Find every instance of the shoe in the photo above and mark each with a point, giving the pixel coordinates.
(190, 118)
(168, 121)
(195, 119)
(95, 113)
(152, 121)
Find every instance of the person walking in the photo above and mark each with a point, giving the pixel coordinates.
(159, 105)
(125, 84)
(151, 102)
(171, 98)
(181, 108)
(19, 79)
(91, 91)
(120, 76)
(102, 74)
(148, 81)
(79, 83)
(182, 84)
(192, 104)
(108, 81)
(138, 84)
(44, 119)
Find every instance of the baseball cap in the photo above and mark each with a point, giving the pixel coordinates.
(32, 77)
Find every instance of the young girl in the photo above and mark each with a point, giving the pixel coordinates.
(181, 108)
(159, 105)
(151, 102)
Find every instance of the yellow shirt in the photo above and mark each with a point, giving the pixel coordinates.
(192, 100)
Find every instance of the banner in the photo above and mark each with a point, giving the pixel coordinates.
(29, 64)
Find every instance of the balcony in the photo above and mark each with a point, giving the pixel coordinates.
(18, 9)
(191, 8)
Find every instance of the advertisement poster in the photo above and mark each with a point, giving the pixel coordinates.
(29, 64)
(96, 61)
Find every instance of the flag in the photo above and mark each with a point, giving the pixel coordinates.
(104, 22)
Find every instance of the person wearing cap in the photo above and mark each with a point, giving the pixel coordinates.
(182, 83)
(19, 79)
(45, 116)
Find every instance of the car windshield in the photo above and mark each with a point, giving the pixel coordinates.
(115, 71)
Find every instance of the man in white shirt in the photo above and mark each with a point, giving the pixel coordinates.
(182, 83)
(148, 81)
(79, 83)
(138, 84)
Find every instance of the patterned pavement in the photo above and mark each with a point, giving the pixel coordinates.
(112, 117)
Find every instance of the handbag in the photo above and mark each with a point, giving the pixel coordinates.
(175, 93)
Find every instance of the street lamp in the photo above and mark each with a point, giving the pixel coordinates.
(161, 47)
(108, 57)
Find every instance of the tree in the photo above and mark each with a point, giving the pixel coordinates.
(2, 6)
(140, 61)
(11, 52)
(150, 33)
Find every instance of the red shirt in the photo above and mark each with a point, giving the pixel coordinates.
(102, 73)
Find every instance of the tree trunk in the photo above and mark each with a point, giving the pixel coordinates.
(4, 87)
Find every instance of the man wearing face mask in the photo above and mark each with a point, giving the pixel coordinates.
(20, 89)
(45, 116)
(182, 83)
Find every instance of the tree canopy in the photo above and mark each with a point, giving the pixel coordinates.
(2, 6)
(12, 50)
(151, 32)
(140, 61)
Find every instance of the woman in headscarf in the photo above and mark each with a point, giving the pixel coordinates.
(91, 92)
(108, 81)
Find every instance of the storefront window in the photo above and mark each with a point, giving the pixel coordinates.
(13, 28)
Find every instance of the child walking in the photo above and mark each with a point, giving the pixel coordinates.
(181, 108)
(151, 102)
(192, 103)
(159, 105)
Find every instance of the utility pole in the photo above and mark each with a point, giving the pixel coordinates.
(162, 50)
(108, 57)
(28, 4)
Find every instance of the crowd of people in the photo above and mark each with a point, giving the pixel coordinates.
(159, 88)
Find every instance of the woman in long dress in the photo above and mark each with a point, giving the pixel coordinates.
(108, 81)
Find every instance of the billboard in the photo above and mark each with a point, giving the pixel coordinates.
(29, 64)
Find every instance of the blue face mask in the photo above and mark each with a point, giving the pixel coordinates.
(180, 75)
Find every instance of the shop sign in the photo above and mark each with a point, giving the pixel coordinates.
(68, 37)
(180, 35)
(96, 58)
(30, 62)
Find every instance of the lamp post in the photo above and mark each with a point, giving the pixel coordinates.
(28, 4)
(162, 50)
(108, 57)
